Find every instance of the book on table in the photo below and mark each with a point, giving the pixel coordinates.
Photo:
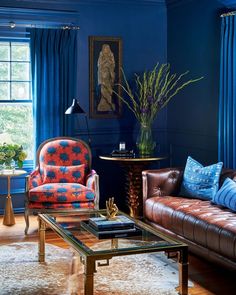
(114, 233)
(123, 153)
(119, 222)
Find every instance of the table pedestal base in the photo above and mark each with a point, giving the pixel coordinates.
(133, 186)
(9, 218)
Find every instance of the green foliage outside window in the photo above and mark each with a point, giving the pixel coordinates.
(16, 126)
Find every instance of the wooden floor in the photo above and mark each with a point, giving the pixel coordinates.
(208, 279)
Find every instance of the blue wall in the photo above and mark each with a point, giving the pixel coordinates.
(194, 44)
(142, 27)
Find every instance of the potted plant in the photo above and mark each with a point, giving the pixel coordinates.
(152, 92)
(10, 153)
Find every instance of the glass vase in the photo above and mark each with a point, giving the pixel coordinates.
(145, 143)
(9, 166)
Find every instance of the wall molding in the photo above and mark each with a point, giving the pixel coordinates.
(190, 147)
(37, 15)
(74, 4)
(178, 153)
(124, 2)
(114, 130)
(176, 3)
(190, 132)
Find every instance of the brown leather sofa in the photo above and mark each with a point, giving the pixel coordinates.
(209, 230)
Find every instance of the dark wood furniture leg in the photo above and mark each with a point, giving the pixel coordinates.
(183, 271)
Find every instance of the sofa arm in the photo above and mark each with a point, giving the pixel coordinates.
(161, 182)
(92, 182)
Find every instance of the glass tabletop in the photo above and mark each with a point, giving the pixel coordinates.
(72, 228)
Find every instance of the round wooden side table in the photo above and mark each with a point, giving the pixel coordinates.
(133, 168)
(9, 218)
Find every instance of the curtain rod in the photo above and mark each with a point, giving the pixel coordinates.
(228, 14)
(13, 25)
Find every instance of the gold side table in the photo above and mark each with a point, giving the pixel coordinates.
(9, 218)
(133, 168)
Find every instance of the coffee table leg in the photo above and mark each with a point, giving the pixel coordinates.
(183, 271)
(41, 245)
(89, 269)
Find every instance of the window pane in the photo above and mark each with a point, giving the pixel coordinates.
(16, 126)
(20, 51)
(20, 90)
(4, 51)
(20, 71)
(4, 91)
(4, 71)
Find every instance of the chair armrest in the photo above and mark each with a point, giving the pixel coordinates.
(34, 179)
(92, 182)
(161, 182)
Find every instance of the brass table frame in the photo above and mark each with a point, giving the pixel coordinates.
(91, 259)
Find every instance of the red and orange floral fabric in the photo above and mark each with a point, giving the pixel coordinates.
(63, 174)
(61, 179)
(64, 153)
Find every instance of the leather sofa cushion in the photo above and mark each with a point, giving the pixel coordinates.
(199, 221)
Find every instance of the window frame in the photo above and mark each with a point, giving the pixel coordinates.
(20, 81)
(28, 164)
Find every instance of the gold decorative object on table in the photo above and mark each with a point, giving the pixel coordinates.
(112, 209)
(133, 168)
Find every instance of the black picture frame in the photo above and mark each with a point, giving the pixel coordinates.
(105, 62)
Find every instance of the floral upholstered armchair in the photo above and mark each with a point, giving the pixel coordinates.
(63, 179)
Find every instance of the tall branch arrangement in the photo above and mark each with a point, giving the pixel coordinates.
(153, 90)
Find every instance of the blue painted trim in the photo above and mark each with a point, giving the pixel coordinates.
(14, 191)
(14, 101)
(123, 2)
(16, 211)
(36, 11)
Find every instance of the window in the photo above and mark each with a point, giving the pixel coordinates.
(16, 120)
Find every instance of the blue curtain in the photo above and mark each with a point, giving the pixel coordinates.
(54, 72)
(227, 98)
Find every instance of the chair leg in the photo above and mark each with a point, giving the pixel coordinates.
(26, 214)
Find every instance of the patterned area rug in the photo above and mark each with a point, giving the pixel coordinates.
(21, 274)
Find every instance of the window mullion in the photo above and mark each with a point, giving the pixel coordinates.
(10, 72)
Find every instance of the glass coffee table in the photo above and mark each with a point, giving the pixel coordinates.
(96, 252)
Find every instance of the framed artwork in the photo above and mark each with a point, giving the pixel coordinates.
(105, 63)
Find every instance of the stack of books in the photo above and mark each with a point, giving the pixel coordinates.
(123, 153)
(119, 227)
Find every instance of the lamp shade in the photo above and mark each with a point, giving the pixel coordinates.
(75, 108)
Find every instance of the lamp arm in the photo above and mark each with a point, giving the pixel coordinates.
(89, 138)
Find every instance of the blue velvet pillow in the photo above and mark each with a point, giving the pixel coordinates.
(200, 182)
(226, 195)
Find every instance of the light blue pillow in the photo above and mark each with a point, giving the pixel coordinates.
(200, 182)
(226, 196)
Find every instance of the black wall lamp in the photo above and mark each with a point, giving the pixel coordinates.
(75, 108)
